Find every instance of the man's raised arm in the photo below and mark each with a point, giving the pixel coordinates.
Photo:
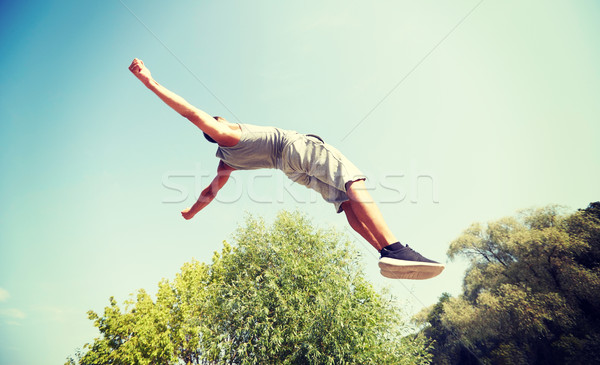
(200, 118)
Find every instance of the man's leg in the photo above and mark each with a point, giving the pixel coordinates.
(367, 215)
(397, 261)
(327, 170)
(359, 226)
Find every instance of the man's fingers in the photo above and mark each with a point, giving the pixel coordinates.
(136, 63)
(135, 68)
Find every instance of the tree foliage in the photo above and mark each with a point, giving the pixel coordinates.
(531, 294)
(284, 294)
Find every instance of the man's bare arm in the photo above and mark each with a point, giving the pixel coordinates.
(208, 194)
(200, 118)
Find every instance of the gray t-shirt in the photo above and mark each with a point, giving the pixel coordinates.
(305, 159)
(259, 148)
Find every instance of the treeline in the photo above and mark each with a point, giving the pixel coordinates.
(284, 294)
(531, 294)
(291, 294)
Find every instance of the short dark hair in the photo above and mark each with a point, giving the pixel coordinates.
(209, 138)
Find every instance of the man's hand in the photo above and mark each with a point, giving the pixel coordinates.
(188, 214)
(140, 71)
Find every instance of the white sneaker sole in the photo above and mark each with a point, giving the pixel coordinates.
(401, 269)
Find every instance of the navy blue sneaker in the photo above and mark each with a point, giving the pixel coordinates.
(406, 263)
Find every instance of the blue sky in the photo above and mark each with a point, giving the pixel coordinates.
(455, 120)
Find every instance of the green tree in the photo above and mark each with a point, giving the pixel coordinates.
(447, 347)
(284, 294)
(531, 294)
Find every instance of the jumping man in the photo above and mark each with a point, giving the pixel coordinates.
(305, 159)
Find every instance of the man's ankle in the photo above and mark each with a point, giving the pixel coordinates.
(394, 246)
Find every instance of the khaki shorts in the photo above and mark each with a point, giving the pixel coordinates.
(317, 165)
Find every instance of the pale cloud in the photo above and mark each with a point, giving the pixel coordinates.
(52, 313)
(12, 313)
(4, 295)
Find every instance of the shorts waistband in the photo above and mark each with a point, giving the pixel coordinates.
(315, 136)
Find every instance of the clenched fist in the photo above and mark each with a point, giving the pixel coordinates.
(140, 71)
(188, 213)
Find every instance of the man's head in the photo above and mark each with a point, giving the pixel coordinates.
(220, 120)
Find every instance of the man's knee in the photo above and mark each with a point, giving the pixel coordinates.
(354, 185)
(358, 193)
(346, 207)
